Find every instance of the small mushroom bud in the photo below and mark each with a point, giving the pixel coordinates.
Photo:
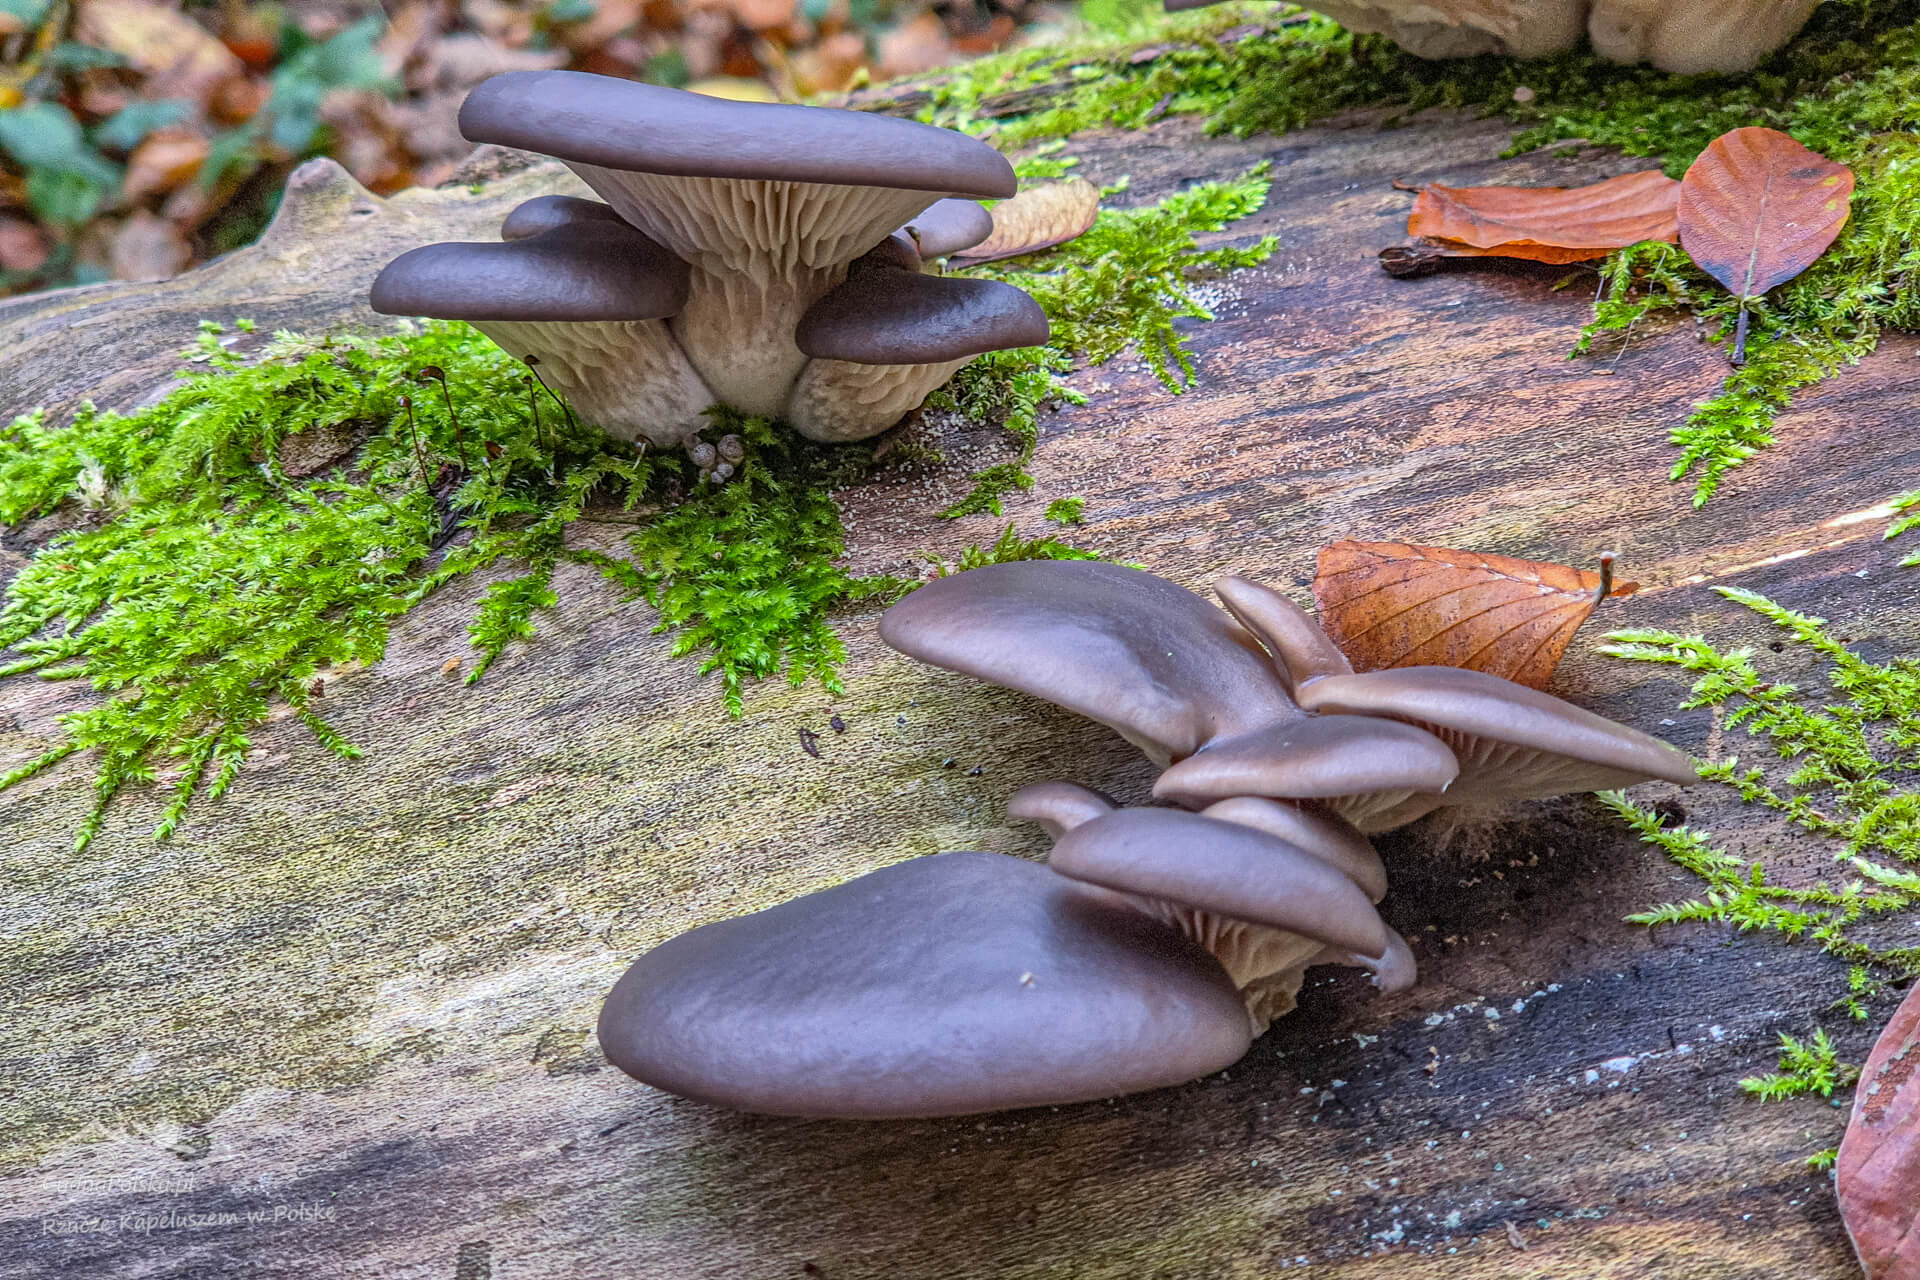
(702, 455)
(722, 472)
(733, 448)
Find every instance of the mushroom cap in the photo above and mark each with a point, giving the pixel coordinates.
(584, 271)
(1302, 650)
(1058, 806)
(1512, 742)
(1334, 841)
(948, 226)
(544, 213)
(1223, 868)
(883, 315)
(958, 983)
(647, 128)
(1367, 769)
(1151, 659)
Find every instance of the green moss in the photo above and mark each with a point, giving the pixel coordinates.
(1849, 87)
(200, 584)
(1067, 511)
(1851, 783)
(1809, 1067)
(1005, 549)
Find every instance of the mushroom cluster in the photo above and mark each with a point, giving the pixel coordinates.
(1686, 36)
(762, 256)
(1158, 941)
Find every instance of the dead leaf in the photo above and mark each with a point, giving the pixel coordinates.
(917, 45)
(1547, 224)
(1393, 604)
(165, 159)
(148, 247)
(180, 58)
(1756, 209)
(1038, 218)
(24, 247)
(1879, 1166)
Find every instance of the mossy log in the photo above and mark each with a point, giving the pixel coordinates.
(351, 1004)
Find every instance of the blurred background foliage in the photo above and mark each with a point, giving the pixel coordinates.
(139, 137)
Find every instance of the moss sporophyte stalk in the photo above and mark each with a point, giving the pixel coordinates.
(207, 574)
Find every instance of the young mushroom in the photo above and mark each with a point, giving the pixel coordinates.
(889, 335)
(1263, 907)
(946, 985)
(1139, 654)
(767, 202)
(544, 213)
(586, 297)
(1371, 772)
(948, 226)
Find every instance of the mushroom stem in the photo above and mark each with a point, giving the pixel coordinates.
(1264, 964)
(838, 400)
(762, 252)
(628, 376)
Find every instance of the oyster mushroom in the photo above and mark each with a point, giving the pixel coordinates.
(952, 984)
(587, 298)
(544, 213)
(1149, 659)
(767, 202)
(1264, 908)
(1686, 36)
(1691, 36)
(1369, 771)
(887, 336)
(1512, 742)
(948, 226)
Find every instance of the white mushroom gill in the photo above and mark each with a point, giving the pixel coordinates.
(839, 400)
(761, 253)
(628, 376)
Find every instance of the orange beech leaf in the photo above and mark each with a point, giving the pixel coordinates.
(1392, 604)
(1879, 1166)
(1038, 218)
(1547, 224)
(1756, 209)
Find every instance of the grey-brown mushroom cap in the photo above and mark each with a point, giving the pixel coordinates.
(1334, 841)
(1303, 650)
(544, 213)
(1320, 757)
(882, 315)
(1059, 807)
(953, 984)
(1148, 657)
(646, 128)
(1223, 868)
(589, 271)
(950, 225)
(1512, 742)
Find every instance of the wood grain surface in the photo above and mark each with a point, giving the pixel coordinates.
(345, 1016)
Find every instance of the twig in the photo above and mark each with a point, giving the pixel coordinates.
(1606, 578)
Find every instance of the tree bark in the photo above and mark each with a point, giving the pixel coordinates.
(357, 998)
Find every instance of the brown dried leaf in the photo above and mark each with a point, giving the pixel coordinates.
(1757, 208)
(1879, 1166)
(165, 159)
(1393, 604)
(1547, 224)
(180, 58)
(1038, 218)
